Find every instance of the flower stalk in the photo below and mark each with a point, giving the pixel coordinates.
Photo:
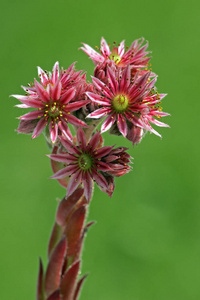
(123, 100)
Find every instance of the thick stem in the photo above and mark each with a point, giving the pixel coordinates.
(64, 252)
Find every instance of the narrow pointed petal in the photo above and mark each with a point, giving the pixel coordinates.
(76, 105)
(81, 139)
(112, 80)
(99, 178)
(32, 115)
(43, 76)
(60, 157)
(54, 268)
(56, 91)
(156, 122)
(109, 121)
(39, 128)
(88, 185)
(53, 129)
(74, 121)
(42, 93)
(55, 73)
(93, 143)
(98, 113)
(65, 129)
(67, 96)
(64, 172)
(105, 49)
(74, 182)
(102, 87)
(121, 123)
(121, 49)
(94, 55)
(103, 151)
(98, 99)
(125, 81)
(69, 146)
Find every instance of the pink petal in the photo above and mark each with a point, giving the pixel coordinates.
(74, 182)
(64, 172)
(39, 128)
(101, 112)
(65, 158)
(74, 121)
(88, 186)
(94, 141)
(103, 151)
(69, 146)
(81, 139)
(67, 96)
(99, 178)
(53, 129)
(112, 81)
(156, 122)
(76, 105)
(109, 121)
(55, 73)
(125, 80)
(42, 93)
(102, 87)
(105, 49)
(32, 115)
(103, 166)
(121, 123)
(121, 49)
(65, 129)
(56, 91)
(92, 53)
(43, 76)
(98, 99)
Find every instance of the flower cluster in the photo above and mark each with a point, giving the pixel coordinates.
(122, 97)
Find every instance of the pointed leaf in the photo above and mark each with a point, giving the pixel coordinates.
(55, 296)
(74, 230)
(55, 236)
(78, 287)
(66, 205)
(54, 268)
(68, 282)
(40, 284)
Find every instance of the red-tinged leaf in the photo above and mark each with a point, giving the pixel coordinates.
(54, 268)
(54, 238)
(66, 206)
(40, 284)
(74, 230)
(55, 296)
(78, 287)
(68, 282)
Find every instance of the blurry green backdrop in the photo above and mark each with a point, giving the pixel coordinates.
(146, 242)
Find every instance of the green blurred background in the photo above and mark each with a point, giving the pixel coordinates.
(146, 242)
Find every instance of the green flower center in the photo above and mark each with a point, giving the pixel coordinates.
(85, 161)
(120, 103)
(54, 110)
(115, 57)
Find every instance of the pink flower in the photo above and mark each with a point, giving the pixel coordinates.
(53, 100)
(126, 103)
(87, 162)
(135, 55)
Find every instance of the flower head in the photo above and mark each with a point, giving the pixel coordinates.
(53, 100)
(135, 55)
(87, 162)
(127, 103)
